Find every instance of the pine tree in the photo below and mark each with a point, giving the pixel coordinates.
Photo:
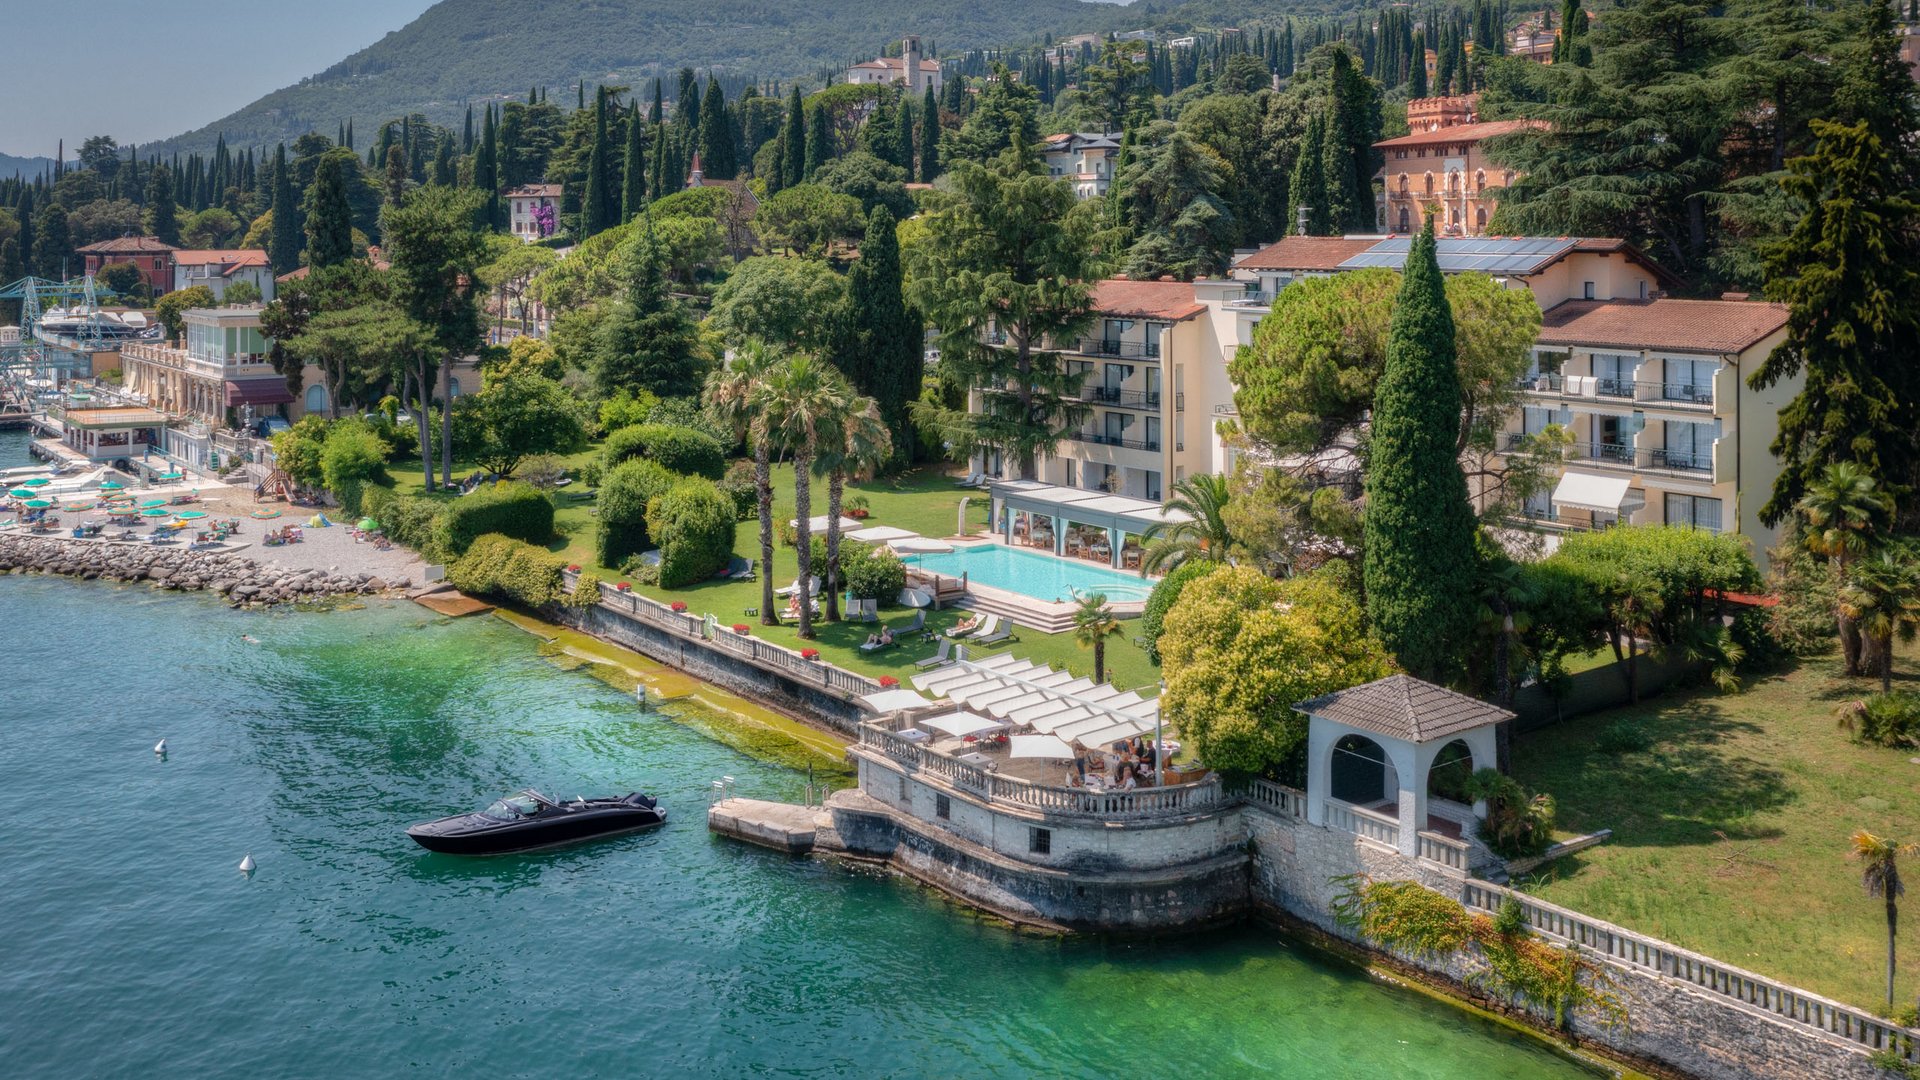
(163, 224)
(1309, 184)
(881, 354)
(329, 214)
(649, 342)
(283, 247)
(597, 203)
(819, 141)
(794, 141)
(929, 138)
(1419, 555)
(1850, 275)
(716, 135)
(633, 172)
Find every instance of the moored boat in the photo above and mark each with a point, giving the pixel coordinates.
(527, 819)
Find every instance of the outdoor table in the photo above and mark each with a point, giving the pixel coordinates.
(913, 735)
(978, 760)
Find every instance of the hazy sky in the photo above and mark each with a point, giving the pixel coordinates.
(145, 70)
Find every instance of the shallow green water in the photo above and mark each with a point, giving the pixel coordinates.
(132, 947)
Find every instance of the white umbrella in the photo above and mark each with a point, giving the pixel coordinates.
(818, 525)
(961, 724)
(880, 534)
(894, 700)
(920, 545)
(1038, 746)
(914, 598)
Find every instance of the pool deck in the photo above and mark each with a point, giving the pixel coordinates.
(1045, 616)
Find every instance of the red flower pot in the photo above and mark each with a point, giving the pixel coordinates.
(624, 587)
(740, 628)
(573, 568)
(888, 681)
(809, 654)
(679, 605)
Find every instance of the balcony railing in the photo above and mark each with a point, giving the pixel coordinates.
(1116, 398)
(1623, 455)
(1136, 350)
(1101, 439)
(1676, 393)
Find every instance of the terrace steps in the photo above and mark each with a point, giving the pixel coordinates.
(1023, 616)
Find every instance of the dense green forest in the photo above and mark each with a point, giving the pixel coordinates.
(472, 50)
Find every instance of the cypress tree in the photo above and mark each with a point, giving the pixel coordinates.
(486, 168)
(1349, 148)
(396, 175)
(686, 107)
(716, 135)
(51, 242)
(1420, 560)
(633, 174)
(349, 134)
(443, 171)
(466, 133)
(794, 140)
(929, 138)
(903, 136)
(283, 248)
(1309, 185)
(1417, 71)
(819, 141)
(329, 214)
(597, 202)
(162, 222)
(657, 113)
(881, 355)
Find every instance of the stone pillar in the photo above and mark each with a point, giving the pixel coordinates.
(1059, 534)
(1320, 740)
(1114, 538)
(1412, 797)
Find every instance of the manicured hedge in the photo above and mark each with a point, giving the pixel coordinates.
(871, 573)
(406, 519)
(501, 566)
(624, 494)
(521, 511)
(682, 450)
(694, 523)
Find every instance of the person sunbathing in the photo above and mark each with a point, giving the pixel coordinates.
(966, 625)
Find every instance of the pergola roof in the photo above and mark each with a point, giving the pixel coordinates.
(1086, 507)
(1025, 694)
(1405, 708)
(118, 417)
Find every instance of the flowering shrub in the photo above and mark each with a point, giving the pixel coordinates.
(809, 654)
(624, 587)
(573, 568)
(740, 628)
(678, 605)
(888, 682)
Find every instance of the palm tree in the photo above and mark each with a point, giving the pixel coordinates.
(1881, 600)
(1093, 624)
(1846, 512)
(733, 397)
(864, 443)
(1505, 594)
(1202, 497)
(1880, 876)
(804, 401)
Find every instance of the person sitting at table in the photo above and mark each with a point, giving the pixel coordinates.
(1127, 782)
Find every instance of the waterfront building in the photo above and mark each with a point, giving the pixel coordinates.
(219, 366)
(911, 71)
(112, 433)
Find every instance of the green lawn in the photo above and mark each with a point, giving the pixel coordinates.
(1731, 831)
(924, 500)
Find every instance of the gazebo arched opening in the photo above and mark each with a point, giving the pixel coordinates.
(1360, 772)
(1452, 769)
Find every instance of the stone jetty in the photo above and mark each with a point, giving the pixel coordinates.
(243, 581)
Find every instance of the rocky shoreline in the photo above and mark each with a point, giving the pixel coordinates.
(243, 581)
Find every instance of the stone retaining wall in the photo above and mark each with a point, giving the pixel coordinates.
(242, 581)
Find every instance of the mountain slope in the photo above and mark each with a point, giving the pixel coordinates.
(470, 50)
(24, 166)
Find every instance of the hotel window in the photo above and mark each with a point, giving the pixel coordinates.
(1429, 183)
(1153, 484)
(1403, 183)
(1154, 331)
(1696, 510)
(1406, 221)
(1690, 381)
(1153, 433)
(903, 789)
(942, 808)
(1039, 841)
(1689, 446)
(1071, 481)
(1614, 374)
(1586, 290)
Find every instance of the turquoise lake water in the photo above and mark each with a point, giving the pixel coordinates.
(132, 947)
(1031, 573)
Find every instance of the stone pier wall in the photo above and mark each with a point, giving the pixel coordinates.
(713, 664)
(242, 581)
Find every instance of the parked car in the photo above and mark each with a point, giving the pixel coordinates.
(269, 426)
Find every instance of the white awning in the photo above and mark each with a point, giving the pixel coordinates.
(880, 534)
(818, 525)
(1598, 494)
(1038, 746)
(961, 724)
(894, 700)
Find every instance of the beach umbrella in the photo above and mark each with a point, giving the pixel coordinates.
(191, 515)
(369, 525)
(151, 503)
(39, 504)
(36, 482)
(154, 513)
(111, 485)
(172, 476)
(22, 493)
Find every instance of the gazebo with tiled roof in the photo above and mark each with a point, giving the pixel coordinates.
(1374, 747)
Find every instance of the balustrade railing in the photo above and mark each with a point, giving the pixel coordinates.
(1444, 849)
(1288, 802)
(1100, 438)
(1363, 823)
(1596, 386)
(1629, 949)
(1116, 398)
(1174, 800)
(1137, 350)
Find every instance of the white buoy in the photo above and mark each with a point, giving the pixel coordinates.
(247, 864)
(160, 748)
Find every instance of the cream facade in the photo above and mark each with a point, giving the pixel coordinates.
(219, 365)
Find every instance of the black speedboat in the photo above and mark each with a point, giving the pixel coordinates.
(528, 819)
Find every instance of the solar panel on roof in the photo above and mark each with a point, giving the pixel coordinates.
(1488, 255)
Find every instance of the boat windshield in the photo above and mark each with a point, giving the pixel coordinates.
(512, 808)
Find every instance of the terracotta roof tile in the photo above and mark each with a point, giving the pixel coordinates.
(1459, 133)
(1706, 326)
(125, 245)
(535, 191)
(1405, 708)
(1307, 253)
(210, 256)
(1169, 300)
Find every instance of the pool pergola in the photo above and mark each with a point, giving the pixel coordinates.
(1119, 516)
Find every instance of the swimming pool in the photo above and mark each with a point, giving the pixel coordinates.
(1030, 573)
